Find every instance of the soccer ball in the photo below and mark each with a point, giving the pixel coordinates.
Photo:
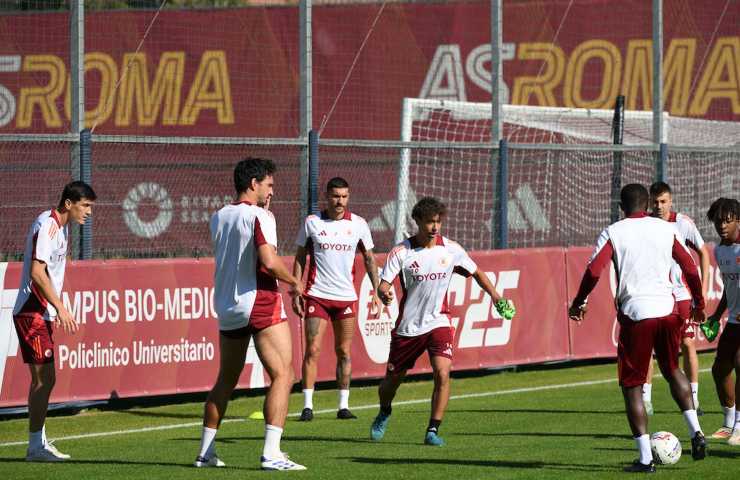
(666, 448)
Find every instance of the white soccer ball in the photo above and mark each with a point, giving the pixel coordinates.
(666, 448)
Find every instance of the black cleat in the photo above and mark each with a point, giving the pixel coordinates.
(345, 414)
(638, 467)
(698, 446)
(699, 412)
(306, 415)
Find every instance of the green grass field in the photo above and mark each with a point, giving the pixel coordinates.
(558, 423)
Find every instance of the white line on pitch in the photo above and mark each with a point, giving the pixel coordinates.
(360, 407)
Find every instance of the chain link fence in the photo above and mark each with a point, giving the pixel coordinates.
(176, 94)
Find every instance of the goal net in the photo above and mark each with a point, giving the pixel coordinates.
(560, 167)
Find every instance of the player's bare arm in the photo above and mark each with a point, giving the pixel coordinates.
(721, 307)
(372, 272)
(385, 293)
(41, 279)
(275, 266)
(299, 265)
(503, 306)
(703, 253)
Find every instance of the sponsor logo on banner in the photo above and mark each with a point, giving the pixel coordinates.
(473, 333)
(376, 331)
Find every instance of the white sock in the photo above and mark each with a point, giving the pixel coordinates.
(343, 399)
(643, 446)
(308, 398)
(692, 421)
(647, 392)
(36, 440)
(730, 418)
(207, 438)
(43, 435)
(737, 421)
(695, 393)
(272, 442)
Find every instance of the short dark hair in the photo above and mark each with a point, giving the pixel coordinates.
(724, 208)
(76, 191)
(634, 197)
(249, 168)
(659, 188)
(336, 182)
(428, 207)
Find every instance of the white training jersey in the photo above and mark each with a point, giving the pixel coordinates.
(642, 256)
(728, 261)
(243, 290)
(332, 245)
(692, 238)
(47, 242)
(425, 275)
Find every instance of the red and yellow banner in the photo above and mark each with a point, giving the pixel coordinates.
(148, 327)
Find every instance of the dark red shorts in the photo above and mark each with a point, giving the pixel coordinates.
(637, 340)
(406, 350)
(330, 310)
(688, 330)
(255, 326)
(729, 343)
(35, 339)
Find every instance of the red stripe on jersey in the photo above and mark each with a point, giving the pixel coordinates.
(35, 303)
(402, 302)
(311, 279)
(266, 301)
(55, 216)
(259, 237)
(593, 272)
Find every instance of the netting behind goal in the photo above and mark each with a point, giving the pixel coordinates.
(556, 196)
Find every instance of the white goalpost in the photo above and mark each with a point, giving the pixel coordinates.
(560, 166)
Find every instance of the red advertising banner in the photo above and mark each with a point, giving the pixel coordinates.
(235, 72)
(148, 327)
(538, 333)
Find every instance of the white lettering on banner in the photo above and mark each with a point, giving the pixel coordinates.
(375, 331)
(482, 310)
(8, 63)
(102, 303)
(445, 81)
(140, 352)
(8, 337)
(182, 303)
(153, 192)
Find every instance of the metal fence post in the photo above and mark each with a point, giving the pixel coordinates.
(306, 101)
(86, 235)
(503, 195)
(313, 172)
(499, 158)
(77, 94)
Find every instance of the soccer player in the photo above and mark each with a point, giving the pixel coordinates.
(725, 214)
(425, 264)
(332, 240)
(642, 249)
(39, 305)
(662, 202)
(248, 305)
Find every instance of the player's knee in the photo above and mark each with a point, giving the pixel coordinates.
(313, 351)
(442, 376)
(342, 352)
